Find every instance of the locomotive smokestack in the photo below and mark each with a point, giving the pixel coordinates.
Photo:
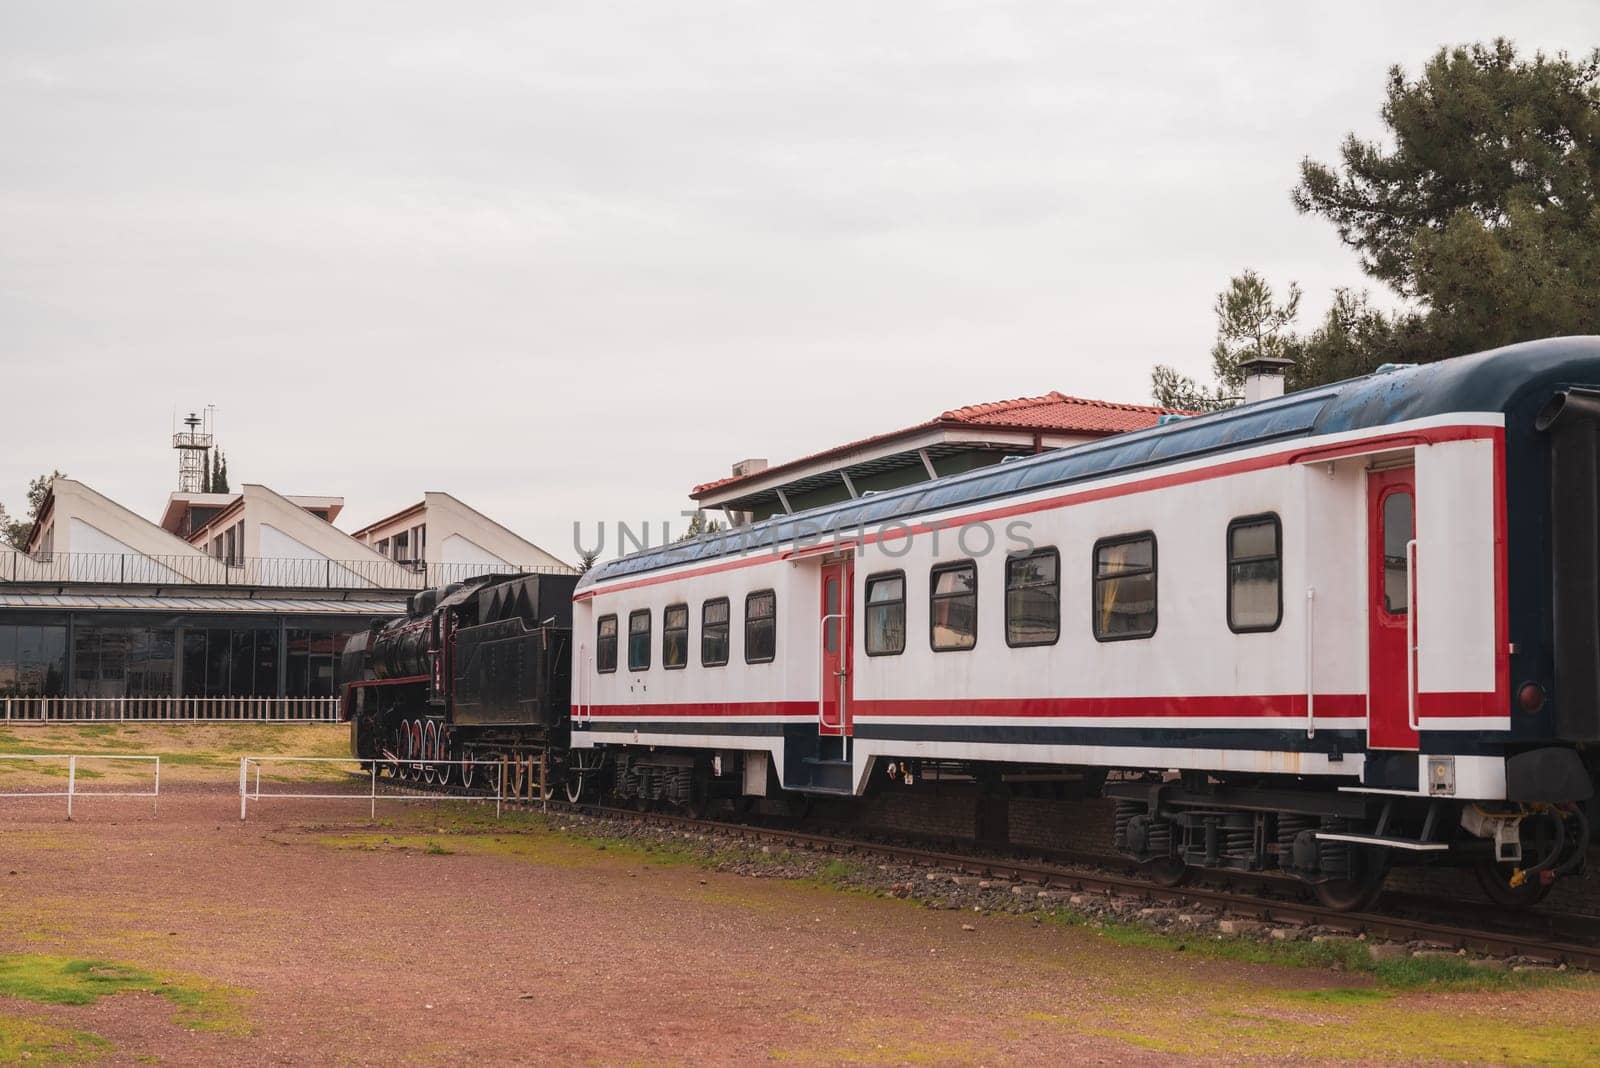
(1263, 377)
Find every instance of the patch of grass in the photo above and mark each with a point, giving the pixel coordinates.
(24, 1041)
(434, 849)
(1340, 995)
(839, 871)
(1349, 955)
(52, 980)
(1255, 1027)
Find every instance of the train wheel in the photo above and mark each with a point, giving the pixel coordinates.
(1369, 868)
(574, 786)
(402, 770)
(1167, 872)
(430, 750)
(547, 789)
(417, 755)
(469, 767)
(1495, 878)
(1543, 839)
(519, 776)
(445, 756)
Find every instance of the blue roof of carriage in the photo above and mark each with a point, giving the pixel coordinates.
(1495, 381)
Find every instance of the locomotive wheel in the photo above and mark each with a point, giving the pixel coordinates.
(519, 777)
(574, 786)
(416, 750)
(430, 751)
(1168, 872)
(402, 770)
(548, 787)
(444, 756)
(1495, 878)
(1370, 868)
(469, 769)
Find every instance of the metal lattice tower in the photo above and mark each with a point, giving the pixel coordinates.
(194, 450)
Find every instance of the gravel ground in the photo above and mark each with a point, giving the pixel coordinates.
(439, 936)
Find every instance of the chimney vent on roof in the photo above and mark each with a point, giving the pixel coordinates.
(1263, 377)
(749, 467)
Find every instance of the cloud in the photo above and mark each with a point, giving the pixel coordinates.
(569, 259)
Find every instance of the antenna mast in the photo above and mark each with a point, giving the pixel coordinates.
(194, 450)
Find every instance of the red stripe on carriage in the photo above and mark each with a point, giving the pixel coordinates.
(1262, 706)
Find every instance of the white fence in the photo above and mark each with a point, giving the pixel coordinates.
(198, 569)
(73, 790)
(159, 709)
(250, 782)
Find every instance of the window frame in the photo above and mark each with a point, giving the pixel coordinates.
(867, 606)
(616, 636)
(727, 632)
(933, 582)
(752, 595)
(637, 612)
(1391, 491)
(1030, 554)
(665, 630)
(1094, 584)
(1229, 562)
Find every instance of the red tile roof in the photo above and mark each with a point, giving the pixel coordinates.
(1057, 411)
(1053, 412)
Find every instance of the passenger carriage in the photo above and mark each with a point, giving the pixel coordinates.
(1321, 633)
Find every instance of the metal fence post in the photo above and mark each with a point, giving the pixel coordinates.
(373, 814)
(244, 797)
(155, 801)
(72, 779)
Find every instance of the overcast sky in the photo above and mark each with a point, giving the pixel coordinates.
(566, 260)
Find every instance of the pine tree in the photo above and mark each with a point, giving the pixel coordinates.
(1250, 324)
(219, 474)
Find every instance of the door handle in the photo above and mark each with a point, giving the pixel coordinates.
(1411, 636)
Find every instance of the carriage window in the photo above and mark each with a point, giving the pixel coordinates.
(714, 633)
(830, 612)
(760, 627)
(1255, 573)
(1033, 598)
(886, 614)
(1125, 587)
(1398, 529)
(953, 607)
(605, 645)
(639, 640)
(675, 636)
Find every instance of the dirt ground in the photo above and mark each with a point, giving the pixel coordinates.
(438, 936)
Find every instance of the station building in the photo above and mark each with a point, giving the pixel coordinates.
(957, 440)
(231, 605)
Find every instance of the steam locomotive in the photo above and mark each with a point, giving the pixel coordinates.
(473, 681)
(1318, 634)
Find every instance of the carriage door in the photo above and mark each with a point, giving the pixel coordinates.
(833, 711)
(1391, 585)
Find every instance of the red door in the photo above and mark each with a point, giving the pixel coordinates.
(1391, 587)
(833, 709)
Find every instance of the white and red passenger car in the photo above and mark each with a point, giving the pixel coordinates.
(1317, 633)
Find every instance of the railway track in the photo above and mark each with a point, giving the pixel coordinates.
(1567, 939)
